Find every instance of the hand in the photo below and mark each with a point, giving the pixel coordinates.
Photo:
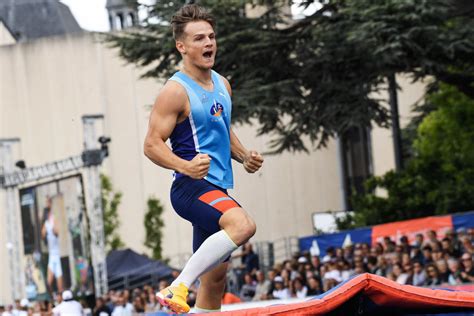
(198, 167)
(252, 161)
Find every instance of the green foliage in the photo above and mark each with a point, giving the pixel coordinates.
(154, 228)
(110, 203)
(315, 77)
(439, 179)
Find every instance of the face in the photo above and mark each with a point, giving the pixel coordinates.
(467, 262)
(432, 273)
(198, 44)
(417, 267)
(248, 279)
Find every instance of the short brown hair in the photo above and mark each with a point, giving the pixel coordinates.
(189, 13)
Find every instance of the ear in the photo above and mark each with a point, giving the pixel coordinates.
(180, 47)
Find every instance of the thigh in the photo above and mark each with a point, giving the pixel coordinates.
(201, 202)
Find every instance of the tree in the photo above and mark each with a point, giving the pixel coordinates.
(315, 77)
(153, 228)
(439, 179)
(110, 202)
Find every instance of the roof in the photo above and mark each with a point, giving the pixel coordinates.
(120, 3)
(32, 19)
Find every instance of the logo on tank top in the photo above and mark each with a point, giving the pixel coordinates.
(217, 110)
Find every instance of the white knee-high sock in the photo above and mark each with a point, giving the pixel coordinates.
(213, 251)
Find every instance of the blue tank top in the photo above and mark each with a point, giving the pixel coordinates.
(207, 128)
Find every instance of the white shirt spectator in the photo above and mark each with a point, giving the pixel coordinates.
(68, 308)
(121, 310)
(333, 274)
(402, 278)
(419, 278)
(302, 293)
(281, 294)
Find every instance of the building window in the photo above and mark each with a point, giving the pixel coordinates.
(357, 160)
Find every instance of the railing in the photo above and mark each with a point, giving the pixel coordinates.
(132, 282)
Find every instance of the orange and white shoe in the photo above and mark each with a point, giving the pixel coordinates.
(175, 298)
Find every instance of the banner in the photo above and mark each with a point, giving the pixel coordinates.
(318, 244)
(411, 228)
(55, 238)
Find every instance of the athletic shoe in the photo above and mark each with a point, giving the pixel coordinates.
(175, 298)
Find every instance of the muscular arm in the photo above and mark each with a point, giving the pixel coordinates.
(169, 104)
(238, 151)
(251, 160)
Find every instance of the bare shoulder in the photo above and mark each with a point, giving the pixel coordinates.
(172, 98)
(227, 84)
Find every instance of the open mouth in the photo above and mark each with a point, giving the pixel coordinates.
(207, 54)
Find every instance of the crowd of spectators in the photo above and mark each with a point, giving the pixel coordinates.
(424, 262)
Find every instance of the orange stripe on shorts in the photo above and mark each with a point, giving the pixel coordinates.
(226, 205)
(219, 200)
(210, 196)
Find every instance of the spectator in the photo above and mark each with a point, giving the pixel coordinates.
(138, 305)
(346, 271)
(247, 291)
(123, 307)
(23, 310)
(399, 275)
(443, 270)
(454, 277)
(330, 253)
(250, 259)
(68, 306)
(467, 245)
(432, 238)
(263, 287)
(280, 291)
(418, 241)
(333, 273)
(8, 311)
(101, 309)
(299, 289)
(314, 287)
(427, 255)
(433, 275)
(467, 272)
(419, 274)
(152, 304)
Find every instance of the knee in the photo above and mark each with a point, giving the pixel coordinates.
(246, 229)
(239, 225)
(251, 228)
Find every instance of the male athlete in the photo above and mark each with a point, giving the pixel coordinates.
(50, 232)
(193, 110)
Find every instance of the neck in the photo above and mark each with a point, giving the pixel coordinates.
(200, 75)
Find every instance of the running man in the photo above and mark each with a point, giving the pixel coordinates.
(50, 232)
(193, 110)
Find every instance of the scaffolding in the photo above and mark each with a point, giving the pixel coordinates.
(89, 161)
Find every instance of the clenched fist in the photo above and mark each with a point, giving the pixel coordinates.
(252, 161)
(198, 167)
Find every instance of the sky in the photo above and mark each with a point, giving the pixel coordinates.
(92, 14)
